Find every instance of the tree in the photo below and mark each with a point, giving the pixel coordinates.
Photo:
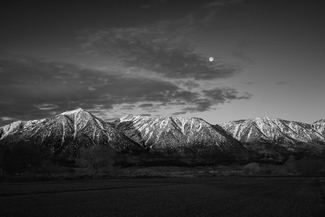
(96, 157)
(290, 165)
(21, 156)
(308, 165)
(2, 150)
(252, 169)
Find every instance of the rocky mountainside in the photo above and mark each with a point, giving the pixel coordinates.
(64, 134)
(180, 136)
(319, 126)
(276, 138)
(268, 139)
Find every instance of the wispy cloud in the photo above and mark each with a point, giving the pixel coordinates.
(6, 118)
(158, 68)
(152, 3)
(221, 95)
(32, 89)
(179, 113)
(281, 83)
(222, 3)
(190, 85)
(216, 96)
(146, 105)
(146, 115)
(164, 48)
(46, 106)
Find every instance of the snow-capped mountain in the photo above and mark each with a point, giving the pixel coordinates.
(184, 136)
(319, 126)
(275, 138)
(269, 139)
(66, 133)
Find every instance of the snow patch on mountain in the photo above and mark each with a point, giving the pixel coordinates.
(67, 132)
(178, 133)
(276, 135)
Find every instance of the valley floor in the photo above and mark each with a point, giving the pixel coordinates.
(218, 196)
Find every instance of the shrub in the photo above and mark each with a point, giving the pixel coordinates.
(20, 157)
(252, 169)
(96, 157)
(290, 165)
(310, 165)
(307, 165)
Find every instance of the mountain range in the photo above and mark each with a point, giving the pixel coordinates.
(257, 139)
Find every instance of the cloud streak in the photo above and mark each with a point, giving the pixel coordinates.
(163, 48)
(32, 89)
(223, 3)
(157, 69)
(153, 3)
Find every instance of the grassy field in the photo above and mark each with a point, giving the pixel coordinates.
(218, 196)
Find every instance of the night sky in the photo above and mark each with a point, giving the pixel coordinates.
(119, 57)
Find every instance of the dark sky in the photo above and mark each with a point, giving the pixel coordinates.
(118, 57)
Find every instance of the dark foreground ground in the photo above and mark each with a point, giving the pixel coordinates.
(220, 196)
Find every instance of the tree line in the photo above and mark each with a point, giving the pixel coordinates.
(22, 156)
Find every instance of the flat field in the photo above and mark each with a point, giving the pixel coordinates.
(217, 196)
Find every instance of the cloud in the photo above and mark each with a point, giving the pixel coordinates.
(242, 56)
(159, 70)
(153, 3)
(146, 105)
(32, 89)
(145, 115)
(281, 83)
(179, 113)
(190, 85)
(164, 48)
(128, 107)
(200, 105)
(46, 106)
(216, 96)
(6, 118)
(213, 97)
(222, 3)
(221, 95)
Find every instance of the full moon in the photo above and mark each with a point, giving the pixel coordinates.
(211, 59)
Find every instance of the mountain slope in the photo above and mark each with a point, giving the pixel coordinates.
(268, 139)
(319, 126)
(180, 136)
(276, 138)
(66, 133)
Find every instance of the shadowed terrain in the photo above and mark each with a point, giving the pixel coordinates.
(226, 196)
(168, 140)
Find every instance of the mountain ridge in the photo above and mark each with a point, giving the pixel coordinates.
(64, 134)
(296, 137)
(180, 134)
(263, 138)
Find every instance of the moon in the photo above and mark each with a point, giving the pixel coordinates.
(211, 59)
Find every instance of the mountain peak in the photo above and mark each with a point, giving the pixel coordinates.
(131, 117)
(75, 111)
(294, 136)
(181, 135)
(266, 138)
(66, 133)
(264, 119)
(321, 121)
